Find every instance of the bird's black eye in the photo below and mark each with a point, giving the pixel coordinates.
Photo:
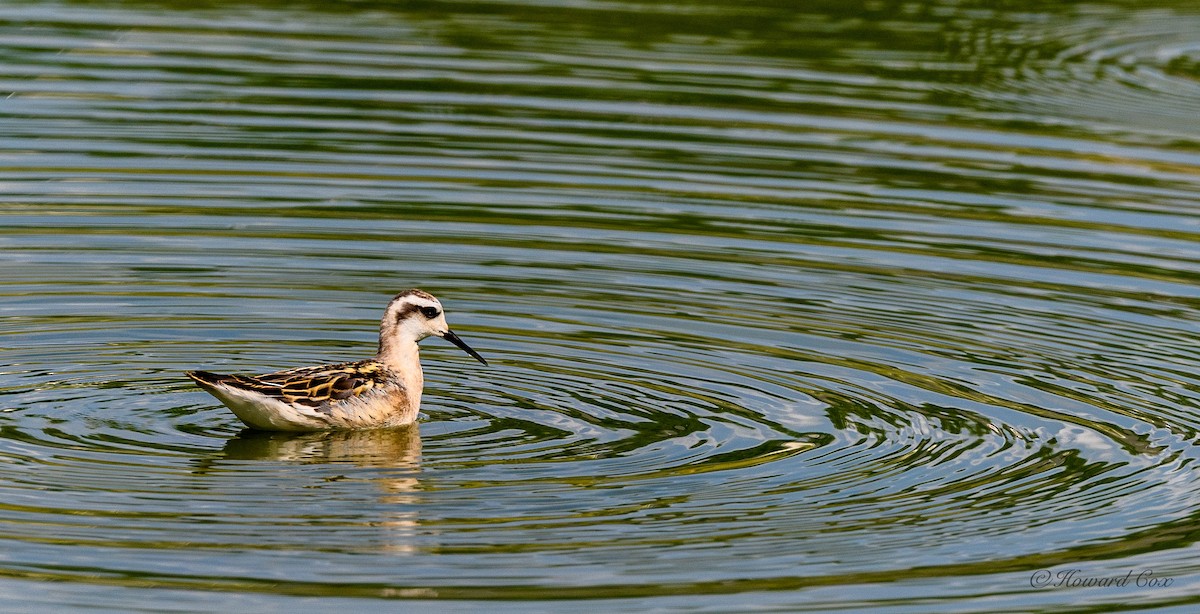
(429, 312)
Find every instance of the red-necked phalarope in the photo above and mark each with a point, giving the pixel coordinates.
(377, 392)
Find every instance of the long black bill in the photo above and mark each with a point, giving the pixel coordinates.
(462, 345)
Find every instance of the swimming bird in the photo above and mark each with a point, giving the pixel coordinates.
(378, 392)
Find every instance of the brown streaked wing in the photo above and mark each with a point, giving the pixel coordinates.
(315, 386)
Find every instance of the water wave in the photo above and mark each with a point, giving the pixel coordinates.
(757, 324)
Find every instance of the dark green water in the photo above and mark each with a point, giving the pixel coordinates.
(824, 305)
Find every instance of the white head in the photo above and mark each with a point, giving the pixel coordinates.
(414, 315)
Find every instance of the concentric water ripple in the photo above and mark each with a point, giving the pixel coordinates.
(848, 307)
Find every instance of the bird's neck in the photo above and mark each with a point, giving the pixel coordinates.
(403, 356)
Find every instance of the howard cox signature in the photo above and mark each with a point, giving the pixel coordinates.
(1077, 578)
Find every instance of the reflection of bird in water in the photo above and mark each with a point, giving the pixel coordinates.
(380, 391)
(398, 449)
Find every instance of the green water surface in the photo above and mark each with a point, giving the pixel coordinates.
(886, 306)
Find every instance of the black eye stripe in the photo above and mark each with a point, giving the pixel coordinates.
(404, 312)
(407, 311)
